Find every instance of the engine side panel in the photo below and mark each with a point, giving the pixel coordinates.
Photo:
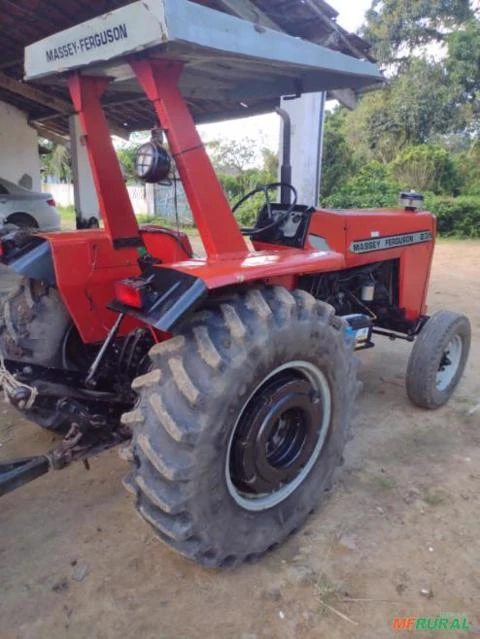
(381, 235)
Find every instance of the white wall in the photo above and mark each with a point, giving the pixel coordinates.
(18, 147)
(64, 195)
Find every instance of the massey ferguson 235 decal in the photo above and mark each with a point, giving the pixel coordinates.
(392, 241)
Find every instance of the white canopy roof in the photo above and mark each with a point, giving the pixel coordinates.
(226, 58)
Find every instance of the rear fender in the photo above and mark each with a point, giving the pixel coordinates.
(168, 298)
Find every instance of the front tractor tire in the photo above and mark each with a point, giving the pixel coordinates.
(240, 425)
(438, 360)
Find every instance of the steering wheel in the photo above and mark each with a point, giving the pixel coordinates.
(265, 188)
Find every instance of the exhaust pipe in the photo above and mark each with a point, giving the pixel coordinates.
(286, 167)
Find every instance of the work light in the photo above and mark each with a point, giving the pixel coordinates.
(152, 162)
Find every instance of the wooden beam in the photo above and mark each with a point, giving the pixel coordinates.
(247, 10)
(346, 97)
(115, 129)
(34, 94)
(336, 28)
(11, 63)
(52, 102)
(51, 135)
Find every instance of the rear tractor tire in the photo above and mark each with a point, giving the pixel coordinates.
(438, 359)
(240, 425)
(33, 322)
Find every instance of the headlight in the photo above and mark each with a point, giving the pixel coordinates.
(152, 163)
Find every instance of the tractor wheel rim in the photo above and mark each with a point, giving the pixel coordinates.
(450, 363)
(278, 436)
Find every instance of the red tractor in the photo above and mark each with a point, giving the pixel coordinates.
(228, 380)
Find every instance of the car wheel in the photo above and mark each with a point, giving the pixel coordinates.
(23, 221)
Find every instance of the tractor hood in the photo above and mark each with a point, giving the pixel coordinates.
(226, 59)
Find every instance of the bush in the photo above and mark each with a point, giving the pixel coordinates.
(373, 186)
(425, 168)
(457, 217)
(236, 186)
(338, 162)
(468, 168)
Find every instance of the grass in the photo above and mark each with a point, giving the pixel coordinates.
(325, 587)
(386, 482)
(68, 215)
(148, 219)
(434, 498)
(452, 239)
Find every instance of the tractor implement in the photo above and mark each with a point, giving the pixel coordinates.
(231, 378)
(18, 472)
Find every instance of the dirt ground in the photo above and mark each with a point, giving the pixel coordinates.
(75, 561)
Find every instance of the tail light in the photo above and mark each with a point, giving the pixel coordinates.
(130, 293)
(51, 202)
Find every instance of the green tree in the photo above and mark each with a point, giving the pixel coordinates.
(418, 104)
(233, 156)
(338, 161)
(127, 155)
(57, 162)
(463, 66)
(241, 167)
(270, 162)
(426, 168)
(424, 126)
(468, 169)
(372, 186)
(397, 28)
(370, 131)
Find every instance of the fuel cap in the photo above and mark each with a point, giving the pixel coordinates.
(411, 200)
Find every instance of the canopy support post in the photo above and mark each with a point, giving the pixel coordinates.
(115, 206)
(216, 223)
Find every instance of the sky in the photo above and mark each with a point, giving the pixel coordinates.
(351, 13)
(265, 128)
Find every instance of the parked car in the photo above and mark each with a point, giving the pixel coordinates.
(27, 209)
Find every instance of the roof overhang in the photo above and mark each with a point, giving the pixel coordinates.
(226, 58)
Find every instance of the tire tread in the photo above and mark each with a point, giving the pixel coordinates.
(164, 460)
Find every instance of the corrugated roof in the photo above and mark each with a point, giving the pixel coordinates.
(23, 22)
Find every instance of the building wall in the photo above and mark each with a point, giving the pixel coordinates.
(18, 147)
(64, 195)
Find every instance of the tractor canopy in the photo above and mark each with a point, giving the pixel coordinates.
(230, 65)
